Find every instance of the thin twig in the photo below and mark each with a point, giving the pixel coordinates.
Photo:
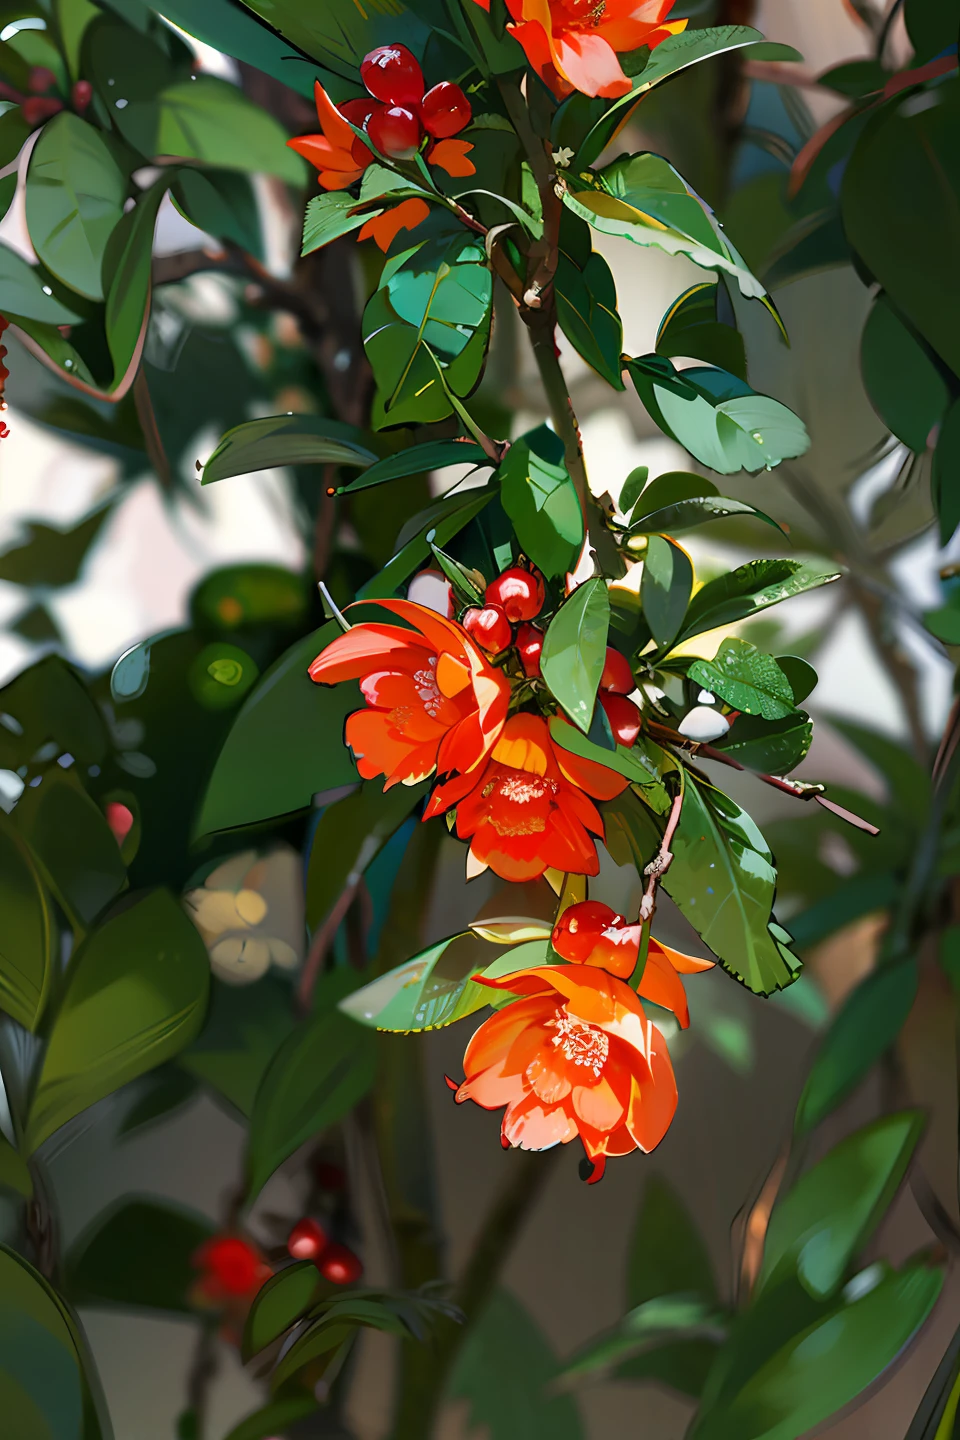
(661, 862)
(152, 439)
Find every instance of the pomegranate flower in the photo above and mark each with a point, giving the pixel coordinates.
(530, 808)
(433, 700)
(574, 1056)
(572, 44)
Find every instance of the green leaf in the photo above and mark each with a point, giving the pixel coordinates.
(644, 199)
(586, 296)
(13, 134)
(279, 1303)
(22, 293)
(161, 1094)
(903, 382)
(537, 493)
(135, 995)
(936, 1415)
(221, 203)
(911, 149)
(127, 263)
(717, 417)
(824, 1366)
(944, 623)
(286, 440)
(665, 588)
(930, 26)
(943, 481)
(271, 763)
(667, 1254)
(504, 1369)
(350, 835)
(26, 931)
(243, 1029)
(436, 988)
(691, 329)
(632, 487)
(724, 882)
(677, 1323)
(426, 329)
(274, 1418)
(666, 491)
(441, 522)
(574, 650)
(206, 119)
(747, 590)
(747, 679)
(74, 198)
(417, 459)
(865, 1027)
(325, 1068)
(329, 216)
(689, 513)
(640, 764)
(137, 1255)
(48, 702)
(43, 1360)
(773, 747)
(826, 1218)
(51, 555)
(75, 847)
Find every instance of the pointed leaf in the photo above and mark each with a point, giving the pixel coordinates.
(665, 588)
(574, 650)
(537, 493)
(417, 459)
(74, 199)
(286, 440)
(746, 679)
(26, 931)
(748, 590)
(138, 1256)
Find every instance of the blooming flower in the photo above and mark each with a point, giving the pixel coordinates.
(249, 912)
(433, 700)
(530, 808)
(575, 1055)
(572, 44)
(339, 155)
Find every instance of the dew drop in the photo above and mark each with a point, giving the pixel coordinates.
(121, 104)
(46, 289)
(757, 436)
(68, 364)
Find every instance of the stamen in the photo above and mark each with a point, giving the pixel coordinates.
(582, 1044)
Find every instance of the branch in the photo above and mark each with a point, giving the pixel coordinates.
(661, 862)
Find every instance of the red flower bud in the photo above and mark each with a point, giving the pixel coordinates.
(519, 593)
(617, 675)
(81, 95)
(623, 715)
(395, 131)
(340, 1266)
(529, 647)
(445, 110)
(41, 79)
(577, 933)
(37, 109)
(119, 818)
(307, 1240)
(393, 75)
(489, 627)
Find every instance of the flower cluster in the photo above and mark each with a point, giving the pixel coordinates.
(437, 704)
(397, 116)
(574, 1054)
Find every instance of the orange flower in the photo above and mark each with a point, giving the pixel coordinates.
(574, 1056)
(529, 809)
(572, 43)
(590, 933)
(339, 155)
(386, 227)
(433, 700)
(451, 155)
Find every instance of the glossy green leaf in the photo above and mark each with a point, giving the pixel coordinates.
(667, 1253)
(866, 1025)
(138, 1256)
(270, 763)
(822, 1223)
(75, 847)
(506, 1345)
(688, 514)
(748, 590)
(827, 1364)
(691, 329)
(127, 269)
(641, 764)
(26, 931)
(724, 423)
(773, 747)
(222, 203)
(675, 1321)
(586, 296)
(644, 199)
(243, 1029)
(723, 881)
(904, 385)
(943, 482)
(286, 440)
(911, 149)
(936, 1414)
(665, 588)
(135, 995)
(208, 120)
(74, 198)
(316, 1077)
(537, 493)
(666, 491)
(747, 679)
(350, 835)
(238, 32)
(801, 675)
(435, 988)
(330, 215)
(574, 650)
(417, 459)
(22, 293)
(632, 488)
(340, 35)
(280, 1303)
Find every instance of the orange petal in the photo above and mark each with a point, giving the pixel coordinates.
(662, 985)
(385, 227)
(349, 656)
(451, 155)
(591, 65)
(684, 964)
(332, 122)
(653, 1103)
(533, 1126)
(525, 745)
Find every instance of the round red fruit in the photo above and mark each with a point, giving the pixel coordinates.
(519, 593)
(339, 1265)
(395, 131)
(81, 95)
(529, 646)
(307, 1240)
(445, 110)
(617, 675)
(489, 627)
(358, 112)
(233, 1263)
(577, 933)
(623, 715)
(393, 75)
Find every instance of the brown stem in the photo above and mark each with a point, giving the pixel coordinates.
(152, 438)
(322, 940)
(661, 862)
(541, 325)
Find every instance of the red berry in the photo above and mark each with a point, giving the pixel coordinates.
(358, 112)
(519, 593)
(617, 675)
(119, 818)
(339, 1265)
(395, 132)
(529, 646)
(233, 1263)
(307, 1240)
(37, 109)
(81, 95)
(489, 627)
(41, 79)
(392, 74)
(623, 715)
(577, 933)
(445, 110)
